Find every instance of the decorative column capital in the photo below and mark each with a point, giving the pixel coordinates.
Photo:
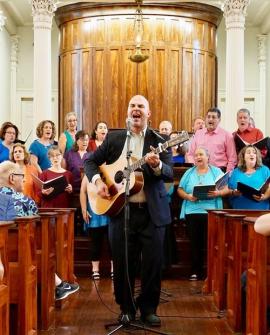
(234, 12)
(14, 50)
(262, 39)
(2, 20)
(43, 12)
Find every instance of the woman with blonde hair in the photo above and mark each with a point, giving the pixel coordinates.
(67, 138)
(21, 157)
(49, 197)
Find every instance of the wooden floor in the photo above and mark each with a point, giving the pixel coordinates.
(183, 311)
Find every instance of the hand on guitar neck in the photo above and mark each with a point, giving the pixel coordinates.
(152, 159)
(102, 189)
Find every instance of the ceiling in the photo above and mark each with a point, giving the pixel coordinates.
(19, 11)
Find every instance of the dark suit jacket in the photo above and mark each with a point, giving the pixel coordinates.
(154, 188)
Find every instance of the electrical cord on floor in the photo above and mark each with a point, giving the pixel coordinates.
(101, 299)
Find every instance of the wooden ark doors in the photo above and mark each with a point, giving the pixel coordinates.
(97, 79)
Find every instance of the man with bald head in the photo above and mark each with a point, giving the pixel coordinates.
(149, 212)
(11, 184)
(165, 127)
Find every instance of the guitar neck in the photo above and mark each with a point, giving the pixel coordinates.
(140, 162)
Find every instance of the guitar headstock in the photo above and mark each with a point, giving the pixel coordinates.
(181, 138)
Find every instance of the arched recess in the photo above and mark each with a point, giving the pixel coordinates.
(96, 78)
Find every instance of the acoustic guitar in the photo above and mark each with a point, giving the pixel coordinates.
(114, 176)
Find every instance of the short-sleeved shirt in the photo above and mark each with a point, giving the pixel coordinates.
(256, 180)
(187, 183)
(24, 206)
(74, 165)
(7, 208)
(41, 152)
(4, 153)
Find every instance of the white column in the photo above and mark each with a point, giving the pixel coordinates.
(2, 20)
(234, 13)
(43, 12)
(13, 78)
(261, 113)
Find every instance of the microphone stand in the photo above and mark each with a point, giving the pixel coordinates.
(125, 321)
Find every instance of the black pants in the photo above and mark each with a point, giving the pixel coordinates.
(197, 230)
(98, 237)
(145, 246)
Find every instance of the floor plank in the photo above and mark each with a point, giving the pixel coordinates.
(183, 311)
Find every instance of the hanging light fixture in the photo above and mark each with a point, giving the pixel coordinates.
(138, 56)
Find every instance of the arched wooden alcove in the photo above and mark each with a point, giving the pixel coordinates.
(96, 78)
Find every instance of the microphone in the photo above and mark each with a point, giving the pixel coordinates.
(129, 123)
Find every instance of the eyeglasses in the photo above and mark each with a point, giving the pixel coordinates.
(18, 174)
(55, 156)
(10, 133)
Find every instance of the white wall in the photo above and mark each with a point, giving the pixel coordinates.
(251, 72)
(25, 79)
(26, 58)
(5, 47)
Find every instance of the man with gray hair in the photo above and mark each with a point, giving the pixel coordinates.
(245, 131)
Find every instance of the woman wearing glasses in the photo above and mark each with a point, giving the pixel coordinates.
(21, 157)
(67, 138)
(8, 134)
(48, 197)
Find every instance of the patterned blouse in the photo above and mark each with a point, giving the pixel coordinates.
(23, 205)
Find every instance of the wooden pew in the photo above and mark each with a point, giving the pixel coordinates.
(236, 240)
(216, 247)
(257, 292)
(46, 265)
(212, 242)
(64, 246)
(4, 278)
(218, 255)
(64, 242)
(23, 276)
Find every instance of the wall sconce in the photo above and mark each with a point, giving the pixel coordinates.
(138, 56)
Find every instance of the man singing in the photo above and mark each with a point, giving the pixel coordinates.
(149, 212)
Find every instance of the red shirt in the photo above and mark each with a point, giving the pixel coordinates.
(250, 134)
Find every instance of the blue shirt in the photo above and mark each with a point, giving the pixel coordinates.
(255, 180)
(7, 208)
(4, 153)
(187, 183)
(24, 206)
(41, 152)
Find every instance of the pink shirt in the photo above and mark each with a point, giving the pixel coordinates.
(220, 145)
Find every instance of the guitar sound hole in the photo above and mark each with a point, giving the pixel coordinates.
(119, 176)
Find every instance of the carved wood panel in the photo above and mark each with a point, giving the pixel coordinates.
(97, 79)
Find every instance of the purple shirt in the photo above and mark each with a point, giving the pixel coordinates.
(74, 165)
(220, 145)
